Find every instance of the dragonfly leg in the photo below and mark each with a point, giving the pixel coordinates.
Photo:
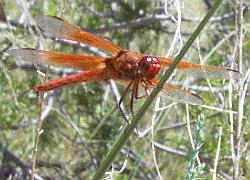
(134, 89)
(146, 91)
(121, 100)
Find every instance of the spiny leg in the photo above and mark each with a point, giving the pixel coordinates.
(122, 98)
(145, 88)
(136, 90)
(135, 86)
(133, 94)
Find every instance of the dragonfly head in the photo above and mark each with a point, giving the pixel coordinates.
(149, 66)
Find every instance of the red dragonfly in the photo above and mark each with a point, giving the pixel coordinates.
(125, 66)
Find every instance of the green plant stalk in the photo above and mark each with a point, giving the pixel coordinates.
(126, 132)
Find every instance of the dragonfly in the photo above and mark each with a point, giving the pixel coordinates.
(130, 68)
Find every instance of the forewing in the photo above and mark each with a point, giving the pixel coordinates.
(203, 71)
(56, 27)
(56, 58)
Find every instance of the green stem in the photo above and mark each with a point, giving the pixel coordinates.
(125, 133)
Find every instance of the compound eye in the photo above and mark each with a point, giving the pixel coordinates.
(150, 66)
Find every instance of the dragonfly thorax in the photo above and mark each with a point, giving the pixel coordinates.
(129, 65)
(126, 64)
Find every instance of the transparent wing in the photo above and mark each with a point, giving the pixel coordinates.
(203, 71)
(56, 58)
(178, 94)
(56, 27)
(171, 91)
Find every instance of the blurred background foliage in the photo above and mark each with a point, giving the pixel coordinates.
(81, 122)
